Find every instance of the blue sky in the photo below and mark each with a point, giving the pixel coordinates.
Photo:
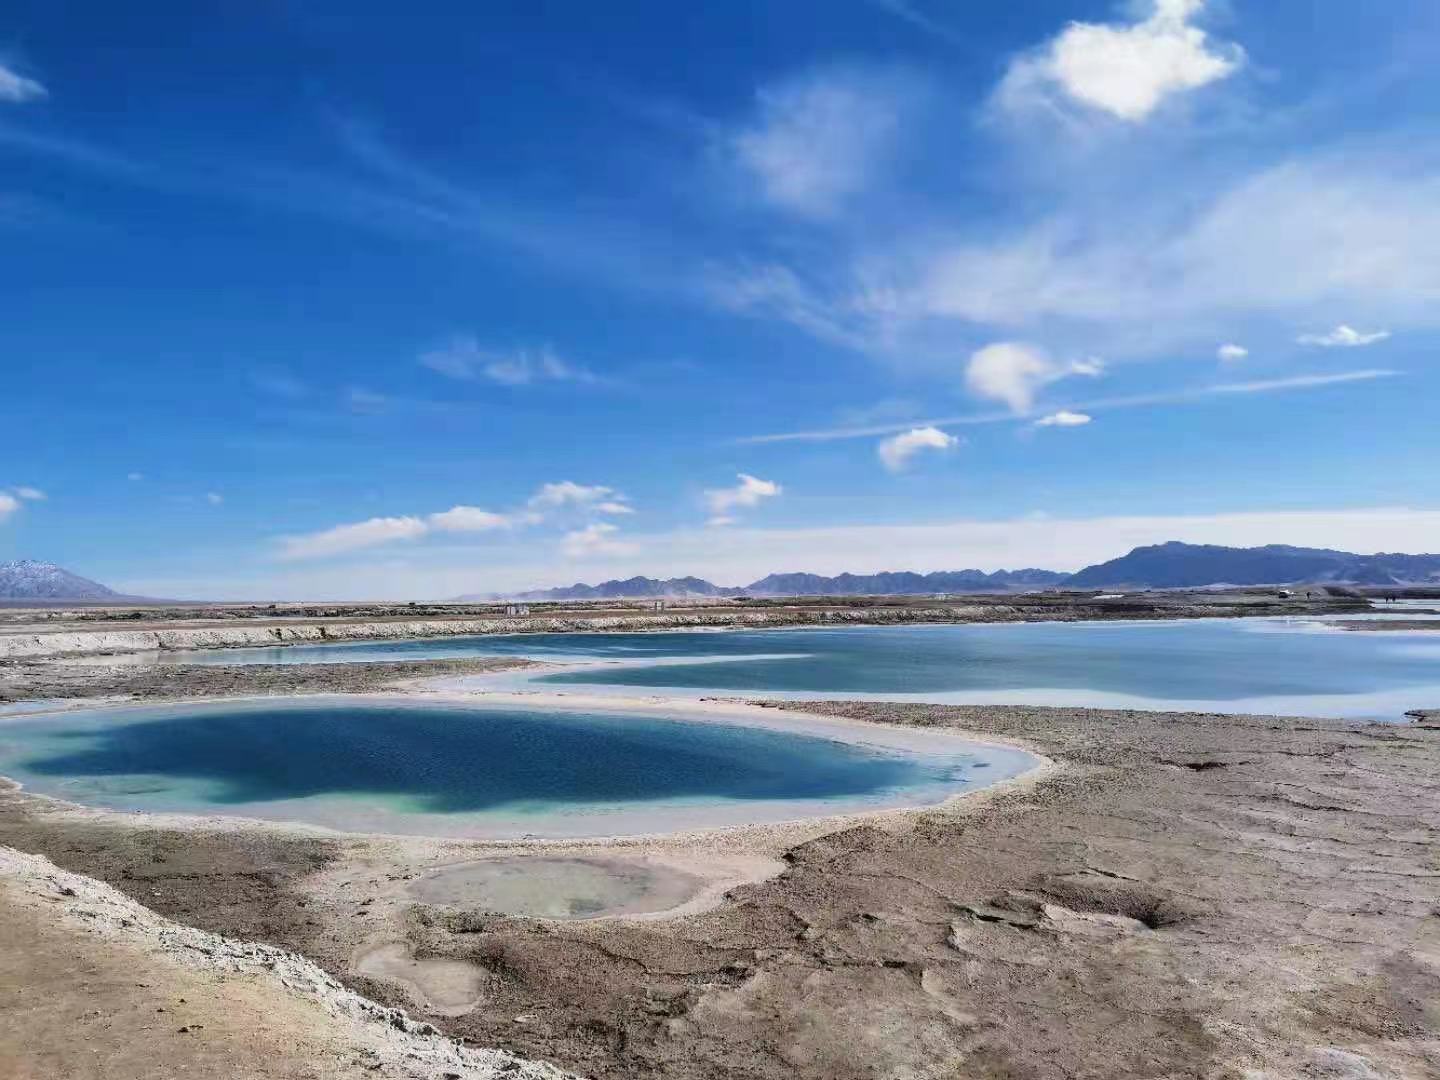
(445, 298)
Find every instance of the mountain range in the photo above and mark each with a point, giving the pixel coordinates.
(1171, 565)
(26, 579)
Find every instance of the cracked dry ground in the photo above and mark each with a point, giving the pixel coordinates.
(1187, 896)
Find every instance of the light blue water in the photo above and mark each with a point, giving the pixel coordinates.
(1231, 665)
(402, 766)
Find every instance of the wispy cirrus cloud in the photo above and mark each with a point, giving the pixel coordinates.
(1132, 401)
(464, 358)
(352, 537)
(17, 88)
(822, 138)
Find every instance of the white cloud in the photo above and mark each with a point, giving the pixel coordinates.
(1063, 418)
(31, 494)
(8, 505)
(464, 359)
(214, 498)
(749, 492)
(344, 538)
(15, 87)
(134, 476)
(596, 499)
(819, 139)
(567, 493)
(895, 452)
(1014, 372)
(721, 520)
(1127, 70)
(468, 519)
(595, 539)
(1230, 352)
(1344, 337)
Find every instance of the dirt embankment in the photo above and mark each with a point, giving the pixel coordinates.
(22, 680)
(1185, 896)
(37, 634)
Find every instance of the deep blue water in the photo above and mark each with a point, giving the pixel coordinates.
(398, 760)
(1265, 665)
(455, 758)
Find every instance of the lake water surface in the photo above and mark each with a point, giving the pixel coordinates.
(391, 765)
(1285, 666)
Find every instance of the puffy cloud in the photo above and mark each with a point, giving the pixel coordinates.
(1126, 70)
(8, 505)
(344, 538)
(468, 519)
(1014, 372)
(464, 359)
(567, 493)
(896, 452)
(749, 492)
(597, 538)
(1063, 418)
(1230, 352)
(819, 140)
(15, 87)
(597, 499)
(1343, 337)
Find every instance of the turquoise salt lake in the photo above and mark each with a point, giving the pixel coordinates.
(1283, 666)
(586, 763)
(398, 765)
